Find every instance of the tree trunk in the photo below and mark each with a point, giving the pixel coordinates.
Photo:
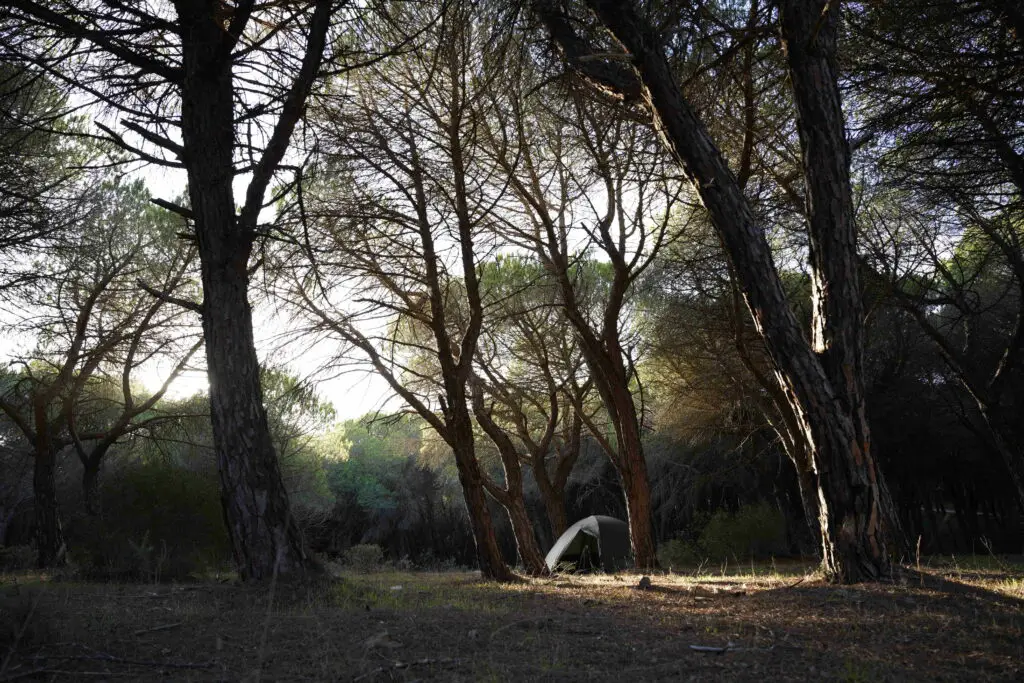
(264, 536)
(851, 477)
(638, 509)
(807, 484)
(526, 542)
(831, 419)
(636, 486)
(554, 500)
(511, 496)
(1012, 459)
(50, 545)
(492, 564)
(90, 487)
(611, 379)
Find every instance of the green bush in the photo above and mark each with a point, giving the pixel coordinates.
(678, 553)
(365, 557)
(753, 531)
(157, 522)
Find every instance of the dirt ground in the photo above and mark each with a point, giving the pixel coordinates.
(955, 621)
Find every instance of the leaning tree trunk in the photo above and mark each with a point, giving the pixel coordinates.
(526, 542)
(831, 418)
(611, 379)
(264, 536)
(511, 496)
(492, 564)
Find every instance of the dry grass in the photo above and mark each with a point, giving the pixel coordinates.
(962, 620)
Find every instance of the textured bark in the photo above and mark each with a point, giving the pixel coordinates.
(511, 496)
(847, 471)
(492, 564)
(554, 505)
(264, 536)
(821, 383)
(632, 468)
(526, 542)
(50, 545)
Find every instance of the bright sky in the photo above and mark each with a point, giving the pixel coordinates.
(353, 393)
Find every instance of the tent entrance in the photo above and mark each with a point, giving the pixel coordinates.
(593, 543)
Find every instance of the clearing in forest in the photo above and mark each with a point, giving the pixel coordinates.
(956, 621)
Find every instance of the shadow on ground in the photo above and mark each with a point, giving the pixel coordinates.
(453, 627)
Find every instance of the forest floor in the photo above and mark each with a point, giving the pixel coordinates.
(957, 620)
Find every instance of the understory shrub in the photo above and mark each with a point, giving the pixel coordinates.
(157, 522)
(752, 532)
(365, 557)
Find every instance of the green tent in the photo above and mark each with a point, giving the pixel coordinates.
(595, 542)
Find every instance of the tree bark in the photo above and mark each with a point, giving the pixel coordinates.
(264, 536)
(511, 496)
(554, 501)
(821, 383)
(50, 545)
(492, 564)
(90, 487)
(526, 542)
(635, 484)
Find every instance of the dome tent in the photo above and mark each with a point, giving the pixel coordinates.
(591, 543)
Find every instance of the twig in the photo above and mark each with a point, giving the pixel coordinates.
(21, 631)
(23, 674)
(162, 627)
(104, 657)
(62, 672)
(266, 619)
(405, 665)
(517, 623)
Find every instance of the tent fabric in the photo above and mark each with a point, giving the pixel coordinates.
(593, 542)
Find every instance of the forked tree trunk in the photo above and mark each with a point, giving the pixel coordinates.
(611, 379)
(821, 384)
(264, 537)
(511, 496)
(554, 501)
(847, 470)
(492, 564)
